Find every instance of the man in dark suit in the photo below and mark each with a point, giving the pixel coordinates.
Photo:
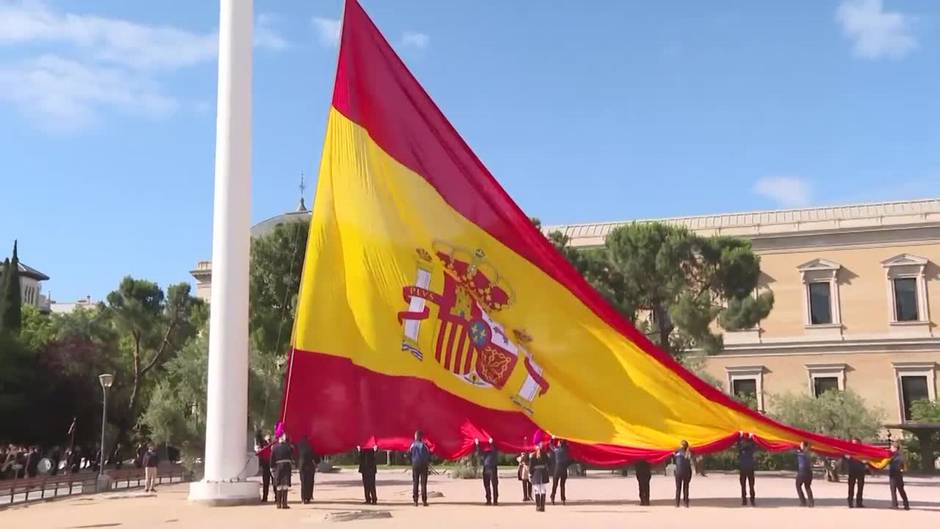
(368, 470)
(307, 462)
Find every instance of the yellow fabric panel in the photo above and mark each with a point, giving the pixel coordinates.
(373, 215)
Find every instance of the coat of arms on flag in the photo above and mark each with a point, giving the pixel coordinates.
(467, 340)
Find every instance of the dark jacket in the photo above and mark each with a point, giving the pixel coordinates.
(489, 458)
(367, 461)
(150, 459)
(281, 452)
(896, 465)
(746, 449)
(683, 460)
(420, 454)
(539, 468)
(855, 467)
(560, 459)
(642, 470)
(306, 457)
(804, 463)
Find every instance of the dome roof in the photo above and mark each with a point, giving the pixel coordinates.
(267, 226)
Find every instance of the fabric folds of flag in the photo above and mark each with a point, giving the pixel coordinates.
(430, 302)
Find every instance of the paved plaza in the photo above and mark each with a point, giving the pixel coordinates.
(599, 500)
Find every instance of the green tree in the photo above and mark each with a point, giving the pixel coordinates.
(176, 412)
(835, 413)
(152, 327)
(677, 287)
(11, 317)
(18, 378)
(277, 260)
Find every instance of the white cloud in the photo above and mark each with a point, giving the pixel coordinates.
(265, 34)
(106, 39)
(874, 32)
(786, 191)
(62, 95)
(83, 65)
(415, 40)
(327, 30)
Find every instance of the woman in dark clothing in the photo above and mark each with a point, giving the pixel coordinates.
(539, 468)
(683, 459)
(281, 456)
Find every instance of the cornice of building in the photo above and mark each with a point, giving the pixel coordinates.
(776, 224)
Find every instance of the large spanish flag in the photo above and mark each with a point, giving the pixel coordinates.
(429, 301)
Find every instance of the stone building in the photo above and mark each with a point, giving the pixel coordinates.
(857, 297)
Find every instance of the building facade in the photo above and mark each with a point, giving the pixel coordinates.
(856, 301)
(202, 272)
(31, 287)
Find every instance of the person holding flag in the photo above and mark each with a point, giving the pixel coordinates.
(420, 461)
(746, 449)
(804, 474)
(368, 470)
(489, 460)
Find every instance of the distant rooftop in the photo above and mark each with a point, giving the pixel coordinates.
(757, 224)
(28, 271)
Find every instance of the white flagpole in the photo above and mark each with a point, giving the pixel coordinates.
(226, 454)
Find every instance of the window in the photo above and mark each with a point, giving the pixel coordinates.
(915, 381)
(824, 384)
(907, 294)
(822, 316)
(905, 299)
(746, 383)
(913, 388)
(820, 304)
(745, 388)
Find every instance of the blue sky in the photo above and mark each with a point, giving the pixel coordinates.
(585, 111)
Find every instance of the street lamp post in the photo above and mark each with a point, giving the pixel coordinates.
(106, 379)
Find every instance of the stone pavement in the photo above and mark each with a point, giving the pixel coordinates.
(599, 500)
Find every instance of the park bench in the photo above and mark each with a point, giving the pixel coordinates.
(41, 486)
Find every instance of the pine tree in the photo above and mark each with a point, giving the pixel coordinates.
(11, 315)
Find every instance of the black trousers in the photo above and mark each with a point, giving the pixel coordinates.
(746, 477)
(897, 487)
(682, 486)
(804, 481)
(526, 490)
(491, 481)
(856, 480)
(419, 475)
(368, 488)
(265, 480)
(307, 475)
(556, 479)
(644, 483)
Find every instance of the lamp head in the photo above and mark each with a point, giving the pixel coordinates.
(106, 379)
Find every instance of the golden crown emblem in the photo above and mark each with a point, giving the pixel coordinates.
(475, 275)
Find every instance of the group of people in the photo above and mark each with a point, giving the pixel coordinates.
(549, 462)
(276, 462)
(22, 461)
(746, 447)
